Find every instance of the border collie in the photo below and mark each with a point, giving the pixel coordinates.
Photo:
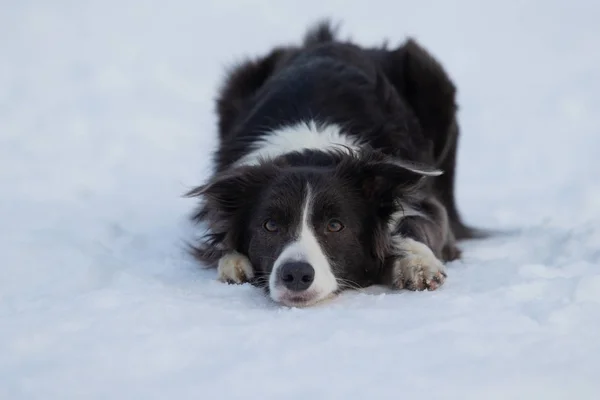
(334, 170)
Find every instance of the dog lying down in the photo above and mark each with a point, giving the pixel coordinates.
(334, 170)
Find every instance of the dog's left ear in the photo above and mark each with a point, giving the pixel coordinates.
(386, 184)
(394, 177)
(383, 180)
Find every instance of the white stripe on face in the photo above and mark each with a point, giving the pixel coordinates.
(306, 248)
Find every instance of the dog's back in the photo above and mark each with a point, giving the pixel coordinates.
(398, 101)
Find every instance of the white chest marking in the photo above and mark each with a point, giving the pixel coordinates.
(301, 136)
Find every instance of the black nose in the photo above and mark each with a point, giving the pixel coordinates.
(297, 275)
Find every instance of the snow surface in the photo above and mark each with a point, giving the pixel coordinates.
(106, 118)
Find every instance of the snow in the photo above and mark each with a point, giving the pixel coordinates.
(106, 119)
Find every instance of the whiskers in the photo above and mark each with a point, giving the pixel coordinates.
(262, 279)
(349, 284)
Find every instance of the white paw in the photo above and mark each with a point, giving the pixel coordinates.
(234, 268)
(416, 267)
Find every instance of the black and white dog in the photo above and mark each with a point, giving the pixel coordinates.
(335, 170)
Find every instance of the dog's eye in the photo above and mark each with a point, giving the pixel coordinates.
(334, 226)
(271, 226)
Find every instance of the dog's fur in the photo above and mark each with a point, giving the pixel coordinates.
(335, 169)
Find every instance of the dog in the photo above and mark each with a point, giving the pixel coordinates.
(335, 170)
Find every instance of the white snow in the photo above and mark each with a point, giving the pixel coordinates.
(106, 118)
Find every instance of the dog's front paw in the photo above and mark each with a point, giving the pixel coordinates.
(417, 268)
(234, 268)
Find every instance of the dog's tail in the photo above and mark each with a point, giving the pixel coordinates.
(323, 31)
(464, 232)
(445, 187)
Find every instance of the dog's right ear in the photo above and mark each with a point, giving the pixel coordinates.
(229, 191)
(242, 81)
(223, 208)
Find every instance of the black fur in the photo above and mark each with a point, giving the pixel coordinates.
(400, 103)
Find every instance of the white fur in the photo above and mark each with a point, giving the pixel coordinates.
(234, 267)
(305, 248)
(307, 135)
(417, 264)
(304, 135)
(416, 168)
(406, 211)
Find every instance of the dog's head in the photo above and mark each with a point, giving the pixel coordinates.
(312, 230)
